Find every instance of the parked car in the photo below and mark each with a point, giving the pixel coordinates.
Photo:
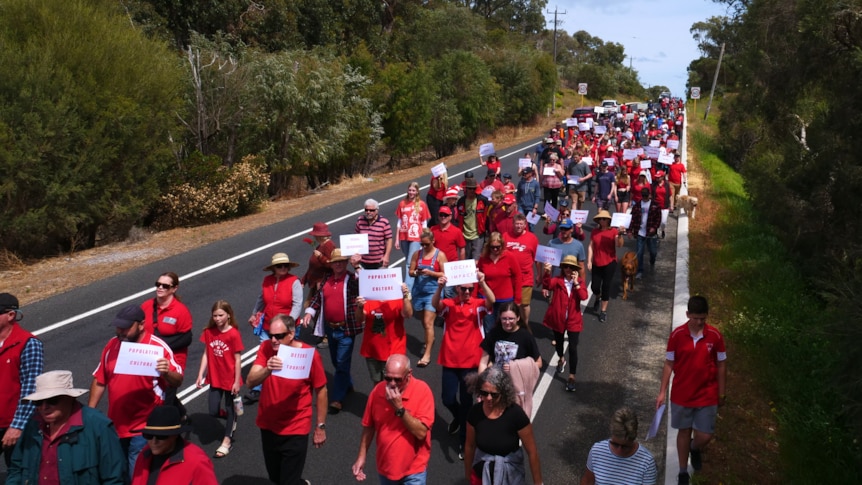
(610, 106)
(581, 114)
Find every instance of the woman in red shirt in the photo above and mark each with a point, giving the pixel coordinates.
(412, 215)
(602, 260)
(623, 190)
(636, 188)
(168, 318)
(502, 274)
(564, 312)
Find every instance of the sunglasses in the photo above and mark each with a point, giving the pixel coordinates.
(148, 437)
(278, 336)
(445, 215)
(397, 380)
(425, 245)
(281, 266)
(370, 210)
(51, 401)
(496, 248)
(485, 393)
(163, 286)
(466, 289)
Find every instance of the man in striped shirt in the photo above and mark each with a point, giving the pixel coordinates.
(379, 236)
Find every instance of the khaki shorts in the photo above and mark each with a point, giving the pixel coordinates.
(526, 295)
(675, 188)
(581, 194)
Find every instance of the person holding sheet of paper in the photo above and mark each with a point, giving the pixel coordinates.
(661, 194)
(552, 179)
(623, 190)
(386, 336)
(436, 192)
(285, 413)
(493, 164)
(568, 241)
(646, 219)
(620, 459)
(527, 193)
(580, 176)
(131, 398)
(602, 260)
(412, 215)
(523, 244)
(379, 236)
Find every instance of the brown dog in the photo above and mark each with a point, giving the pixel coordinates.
(688, 203)
(629, 268)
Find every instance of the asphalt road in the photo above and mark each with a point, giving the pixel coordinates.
(620, 360)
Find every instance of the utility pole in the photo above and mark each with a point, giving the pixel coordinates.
(556, 72)
(714, 82)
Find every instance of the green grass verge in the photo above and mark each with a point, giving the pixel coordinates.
(778, 322)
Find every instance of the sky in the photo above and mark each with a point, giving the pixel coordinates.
(655, 33)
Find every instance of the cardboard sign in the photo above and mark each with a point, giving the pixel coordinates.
(533, 218)
(673, 144)
(580, 216)
(295, 362)
(460, 272)
(486, 149)
(600, 129)
(547, 254)
(645, 164)
(138, 359)
(629, 154)
(380, 284)
(353, 244)
(652, 152)
(551, 212)
(524, 163)
(620, 219)
(438, 170)
(654, 143)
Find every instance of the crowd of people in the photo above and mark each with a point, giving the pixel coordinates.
(488, 354)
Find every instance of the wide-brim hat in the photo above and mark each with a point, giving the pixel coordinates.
(470, 183)
(54, 383)
(164, 421)
(570, 260)
(337, 256)
(320, 229)
(603, 214)
(280, 258)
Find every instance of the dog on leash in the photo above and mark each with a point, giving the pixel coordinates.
(688, 203)
(629, 268)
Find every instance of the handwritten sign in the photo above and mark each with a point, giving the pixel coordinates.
(533, 218)
(600, 129)
(551, 212)
(629, 154)
(353, 244)
(583, 127)
(547, 254)
(599, 110)
(571, 122)
(653, 152)
(665, 159)
(590, 122)
(295, 362)
(460, 272)
(640, 151)
(673, 144)
(486, 149)
(645, 164)
(654, 143)
(438, 170)
(380, 284)
(580, 216)
(138, 359)
(587, 160)
(621, 219)
(549, 171)
(630, 116)
(610, 161)
(525, 163)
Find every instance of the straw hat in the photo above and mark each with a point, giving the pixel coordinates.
(603, 214)
(336, 256)
(572, 261)
(280, 258)
(54, 383)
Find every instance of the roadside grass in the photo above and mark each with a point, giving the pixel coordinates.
(779, 424)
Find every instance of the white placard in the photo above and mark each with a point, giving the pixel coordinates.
(295, 362)
(610, 161)
(587, 160)
(138, 359)
(525, 163)
(353, 244)
(438, 170)
(645, 164)
(571, 122)
(665, 159)
(673, 144)
(652, 152)
(629, 154)
(590, 122)
(600, 129)
(460, 272)
(630, 116)
(381, 284)
(628, 135)
(640, 150)
(487, 191)
(583, 127)
(486, 149)
(621, 219)
(654, 143)
(533, 218)
(549, 171)
(664, 214)
(656, 420)
(598, 109)
(582, 89)
(551, 212)
(580, 216)
(547, 254)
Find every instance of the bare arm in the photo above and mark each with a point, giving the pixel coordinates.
(201, 371)
(526, 435)
(321, 398)
(96, 391)
(588, 478)
(722, 379)
(665, 382)
(257, 375)
(358, 467)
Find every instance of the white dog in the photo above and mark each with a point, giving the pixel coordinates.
(688, 203)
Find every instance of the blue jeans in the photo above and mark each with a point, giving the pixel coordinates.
(457, 398)
(408, 248)
(133, 447)
(415, 479)
(341, 353)
(652, 244)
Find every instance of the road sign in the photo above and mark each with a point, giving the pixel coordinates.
(582, 89)
(695, 93)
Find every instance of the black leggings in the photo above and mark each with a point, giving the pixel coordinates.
(552, 196)
(573, 349)
(602, 277)
(215, 397)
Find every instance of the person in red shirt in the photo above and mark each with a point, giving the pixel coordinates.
(412, 216)
(502, 273)
(493, 164)
(491, 180)
(131, 398)
(285, 413)
(437, 188)
(523, 244)
(504, 218)
(386, 335)
(448, 237)
(461, 349)
(221, 366)
(168, 318)
(400, 412)
(677, 176)
(169, 458)
(697, 358)
(508, 186)
(602, 260)
(567, 291)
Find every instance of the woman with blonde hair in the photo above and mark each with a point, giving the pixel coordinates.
(412, 215)
(426, 267)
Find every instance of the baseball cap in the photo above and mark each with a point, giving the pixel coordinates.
(128, 316)
(509, 199)
(507, 175)
(8, 302)
(567, 224)
(445, 210)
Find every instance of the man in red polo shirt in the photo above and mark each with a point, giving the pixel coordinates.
(401, 412)
(131, 398)
(448, 237)
(697, 358)
(524, 245)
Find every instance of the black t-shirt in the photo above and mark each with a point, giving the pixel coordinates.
(498, 436)
(516, 345)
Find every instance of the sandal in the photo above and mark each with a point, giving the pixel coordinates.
(222, 451)
(423, 363)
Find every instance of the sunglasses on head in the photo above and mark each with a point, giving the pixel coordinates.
(51, 401)
(148, 437)
(164, 286)
(485, 393)
(278, 336)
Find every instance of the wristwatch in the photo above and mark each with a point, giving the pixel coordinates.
(321, 426)
(400, 412)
